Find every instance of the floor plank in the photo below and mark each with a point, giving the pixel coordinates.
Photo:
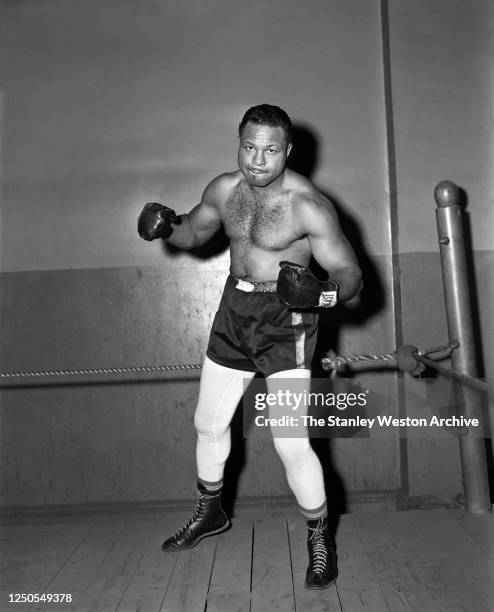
(370, 598)
(440, 533)
(355, 567)
(444, 559)
(408, 598)
(357, 583)
(272, 586)
(423, 561)
(188, 587)
(13, 534)
(147, 586)
(480, 527)
(229, 590)
(399, 585)
(31, 560)
(112, 577)
(79, 569)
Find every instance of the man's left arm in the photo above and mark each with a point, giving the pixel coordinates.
(330, 248)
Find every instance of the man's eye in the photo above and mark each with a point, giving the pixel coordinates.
(272, 151)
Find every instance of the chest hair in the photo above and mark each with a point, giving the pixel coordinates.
(263, 223)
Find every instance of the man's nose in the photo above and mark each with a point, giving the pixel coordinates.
(259, 158)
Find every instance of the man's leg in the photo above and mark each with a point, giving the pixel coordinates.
(220, 391)
(305, 477)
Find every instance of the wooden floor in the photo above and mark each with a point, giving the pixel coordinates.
(413, 560)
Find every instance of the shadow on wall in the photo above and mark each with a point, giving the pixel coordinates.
(472, 281)
(477, 335)
(304, 159)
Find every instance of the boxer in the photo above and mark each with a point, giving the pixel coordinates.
(276, 221)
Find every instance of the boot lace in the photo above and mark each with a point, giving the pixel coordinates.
(199, 509)
(319, 550)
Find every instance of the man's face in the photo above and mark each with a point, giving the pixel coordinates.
(262, 153)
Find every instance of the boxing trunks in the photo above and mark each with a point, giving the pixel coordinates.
(253, 331)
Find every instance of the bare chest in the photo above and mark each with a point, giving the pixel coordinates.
(263, 223)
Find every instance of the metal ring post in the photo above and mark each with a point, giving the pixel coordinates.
(459, 317)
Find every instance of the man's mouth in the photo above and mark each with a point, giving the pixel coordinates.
(256, 171)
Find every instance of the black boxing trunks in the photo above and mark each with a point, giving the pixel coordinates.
(255, 332)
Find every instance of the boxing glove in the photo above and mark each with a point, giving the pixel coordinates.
(155, 221)
(299, 289)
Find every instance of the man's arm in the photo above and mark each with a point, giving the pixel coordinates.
(330, 248)
(202, 222)
(185, 231)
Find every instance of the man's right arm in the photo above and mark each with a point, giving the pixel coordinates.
(185, 231)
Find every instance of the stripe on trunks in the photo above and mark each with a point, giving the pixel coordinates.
(299, 331)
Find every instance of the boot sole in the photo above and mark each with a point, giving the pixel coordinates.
(225, 527)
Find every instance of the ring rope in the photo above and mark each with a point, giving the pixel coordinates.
(334, 362)
(93, 371)
(331, 362)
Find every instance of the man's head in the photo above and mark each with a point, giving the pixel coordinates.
(270, 116)
(265, 135)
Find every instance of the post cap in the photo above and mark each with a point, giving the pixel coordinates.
(446, 194)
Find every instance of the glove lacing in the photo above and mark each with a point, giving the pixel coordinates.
(320, 553)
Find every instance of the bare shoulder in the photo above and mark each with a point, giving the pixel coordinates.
(220, 188)
(311, 208)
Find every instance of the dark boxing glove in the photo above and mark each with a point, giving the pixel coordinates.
(155, 221)
(299, 289)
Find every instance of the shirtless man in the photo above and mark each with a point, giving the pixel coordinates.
(276, 220)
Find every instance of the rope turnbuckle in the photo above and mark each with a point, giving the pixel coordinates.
(404, 358)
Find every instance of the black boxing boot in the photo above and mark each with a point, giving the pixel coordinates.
(322, 570)
(208, 519)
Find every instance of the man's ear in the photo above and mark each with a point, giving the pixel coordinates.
(288, 149)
